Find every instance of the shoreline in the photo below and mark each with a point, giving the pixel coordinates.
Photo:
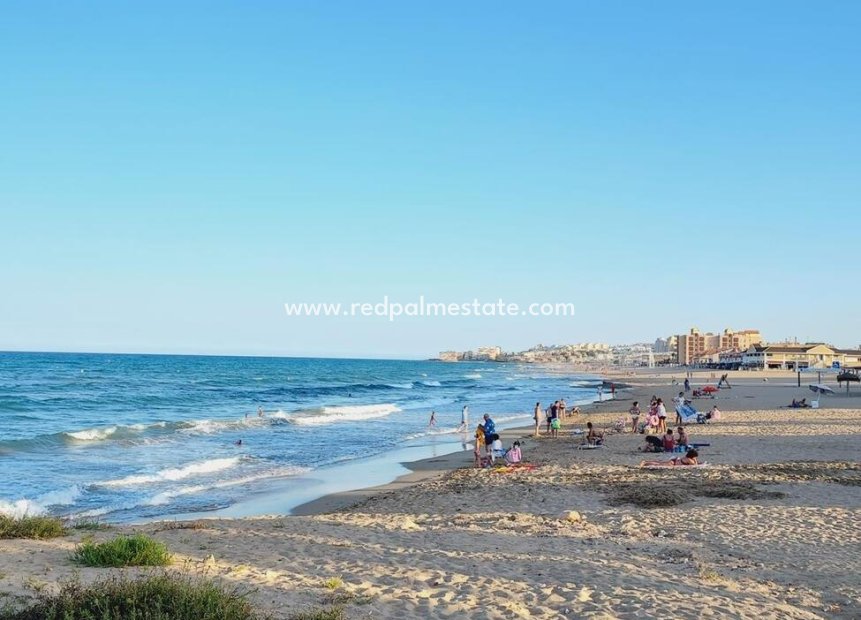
(581, 533)
(636, 386)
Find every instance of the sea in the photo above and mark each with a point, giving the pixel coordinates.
(125, 438)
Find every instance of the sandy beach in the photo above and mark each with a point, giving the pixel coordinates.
(768, 529)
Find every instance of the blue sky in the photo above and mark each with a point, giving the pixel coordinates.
(172, 173)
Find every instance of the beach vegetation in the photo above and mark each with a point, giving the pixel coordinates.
(31, 527)
(333, 583)
(321, 613)
(156, 597)
(135, 550)
(89, 525)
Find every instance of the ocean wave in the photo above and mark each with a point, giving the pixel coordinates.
(39, 506)
(438, 431)
(469, 430)
(174, 474)
(166, 496)
(92, 434)
(332, 415)
(473, 375)
(432, 383)
(401, 386)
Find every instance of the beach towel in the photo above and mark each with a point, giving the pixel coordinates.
(688, 414)
(665, 464)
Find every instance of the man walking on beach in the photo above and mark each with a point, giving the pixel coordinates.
(464, 417)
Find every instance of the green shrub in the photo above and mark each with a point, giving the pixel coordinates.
(161, 597)
(324, 613)
(31, 527)
(137, 550)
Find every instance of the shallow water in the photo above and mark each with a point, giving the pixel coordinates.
(125, 437)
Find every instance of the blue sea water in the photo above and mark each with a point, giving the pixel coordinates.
(126, 437)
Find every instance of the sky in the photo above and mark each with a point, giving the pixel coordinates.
(173, 173)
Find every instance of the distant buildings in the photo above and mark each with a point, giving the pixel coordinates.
(794, 356)
(693, 347)
(482, 354)
(570, 353)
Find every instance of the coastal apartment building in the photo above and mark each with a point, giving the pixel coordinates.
(791, 356)
(694, 345)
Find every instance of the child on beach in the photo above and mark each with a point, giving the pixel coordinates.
(555, 425)
(593, 437)
(514, 455)
(635, 415)
(653, 444)
(662, 416)
(479, 444)
(496, 449)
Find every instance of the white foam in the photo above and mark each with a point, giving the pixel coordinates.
(331, 415)
(34, 507)
(173, 474)
(93, 434)
(473, 375)
(432, 383)
(21, 508)
(62, 497)
(401, 386)
(166, 496)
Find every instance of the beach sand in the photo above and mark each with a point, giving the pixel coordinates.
(769, 529)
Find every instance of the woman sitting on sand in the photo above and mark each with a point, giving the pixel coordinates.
(691, 458)
(669, 442)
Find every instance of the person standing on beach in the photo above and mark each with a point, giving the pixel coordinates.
(678, 403)
(464, 417)
(662, 417)
(687, 385)
(432, 419)
(536, 415)
(489, 429)
(635, 415)
(479, 444)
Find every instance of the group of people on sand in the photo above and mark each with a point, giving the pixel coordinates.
(552, 416)
(666, 442)
(656, 417)
(488, 446)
